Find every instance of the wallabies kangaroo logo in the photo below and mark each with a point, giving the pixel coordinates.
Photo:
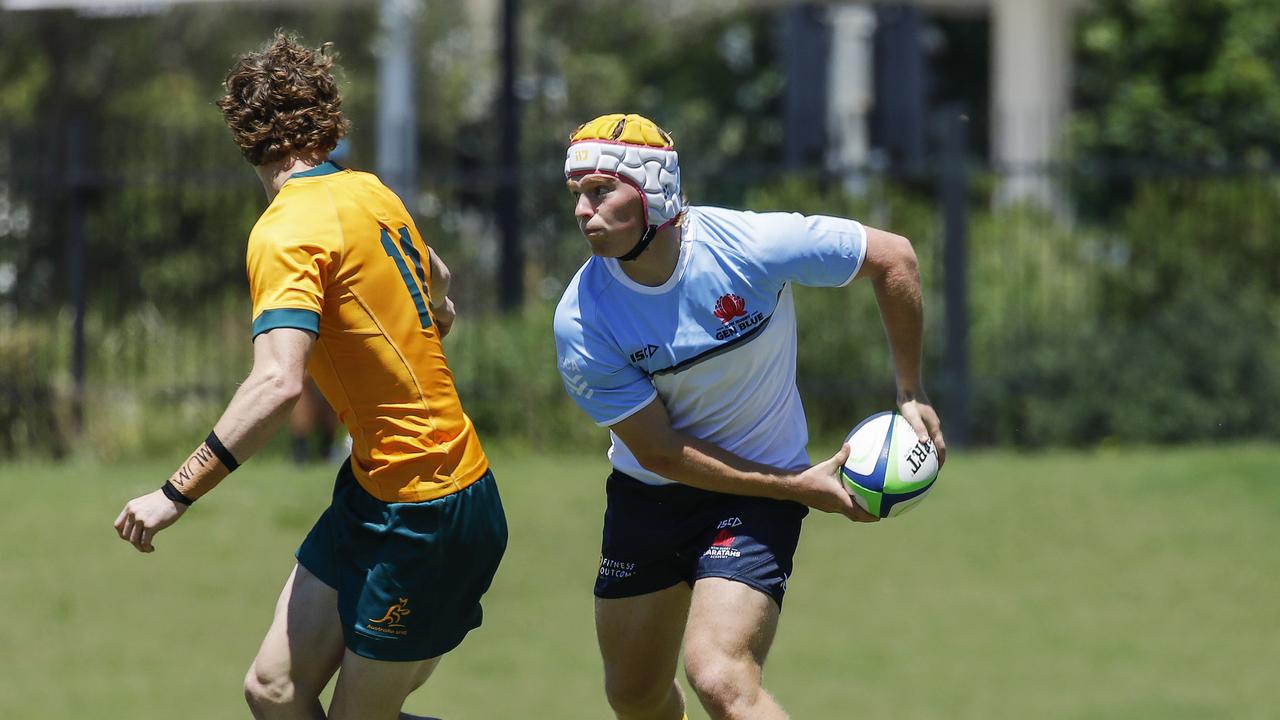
(394, 614)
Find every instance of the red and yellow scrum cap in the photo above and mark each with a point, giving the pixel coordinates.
(635, 150)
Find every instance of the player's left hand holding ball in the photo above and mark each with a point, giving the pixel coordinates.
(146, 515)
(916, 409)
(821, 488)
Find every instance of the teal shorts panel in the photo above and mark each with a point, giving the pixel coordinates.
(409, 576)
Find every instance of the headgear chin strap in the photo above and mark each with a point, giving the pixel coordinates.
(639, 247)
(635, 150)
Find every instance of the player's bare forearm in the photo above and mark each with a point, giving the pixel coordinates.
(709, 467)
(901, 311)
(256, 411)
(894, 271)
(695, 462)
(253, 416)
(700, 464)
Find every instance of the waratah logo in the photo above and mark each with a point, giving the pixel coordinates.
(729, 307)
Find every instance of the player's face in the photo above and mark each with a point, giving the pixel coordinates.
(609, 213)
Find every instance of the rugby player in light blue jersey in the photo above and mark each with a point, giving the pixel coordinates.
(679, 335)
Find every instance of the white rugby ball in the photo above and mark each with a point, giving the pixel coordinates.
(889, 471)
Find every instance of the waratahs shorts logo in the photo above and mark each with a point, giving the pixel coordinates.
(732, 311)
(722, 546)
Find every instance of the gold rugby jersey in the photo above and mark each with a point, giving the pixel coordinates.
(337, 254)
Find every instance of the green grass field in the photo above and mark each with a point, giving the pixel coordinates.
(1111, 584)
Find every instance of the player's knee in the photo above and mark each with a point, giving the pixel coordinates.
(635, 695)
(265, 691)
(726, 686)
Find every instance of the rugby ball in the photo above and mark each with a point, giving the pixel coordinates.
(889, 471)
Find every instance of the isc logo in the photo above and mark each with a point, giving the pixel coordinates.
(644, 354)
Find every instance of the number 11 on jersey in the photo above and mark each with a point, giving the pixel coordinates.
(419, 293)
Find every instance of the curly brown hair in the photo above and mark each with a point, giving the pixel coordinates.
(283, 101)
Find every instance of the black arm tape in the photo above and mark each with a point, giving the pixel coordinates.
(221, 451)
(175, 494)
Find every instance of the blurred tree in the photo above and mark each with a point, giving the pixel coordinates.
(709, 75)
(116, 113)
(1190, 89)
(1190, 83)
(176, 201)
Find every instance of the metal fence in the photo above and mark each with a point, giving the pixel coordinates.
(124, 311)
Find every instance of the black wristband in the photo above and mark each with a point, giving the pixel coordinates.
(175, 494)
(221, 451)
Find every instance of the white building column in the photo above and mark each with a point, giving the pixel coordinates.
(397, 149)
(1031, 93)
(850, 90)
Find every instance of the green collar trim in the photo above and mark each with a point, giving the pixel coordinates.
(328, 167)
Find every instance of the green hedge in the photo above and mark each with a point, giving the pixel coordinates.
(1179, 339)
(34, 417)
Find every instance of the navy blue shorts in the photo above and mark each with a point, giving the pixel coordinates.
(658, 536)
(409, 576)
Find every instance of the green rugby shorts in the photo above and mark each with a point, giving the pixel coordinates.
(409, 576)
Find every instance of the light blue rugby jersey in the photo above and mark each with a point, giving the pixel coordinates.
(717, 341)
